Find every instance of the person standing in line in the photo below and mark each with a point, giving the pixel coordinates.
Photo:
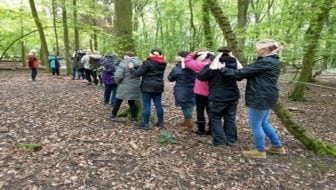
(223, 98)
(128, 85)
(33, 64)
(152, 85)
(108, 77)
(196, 61)
(184, 79)
(261, 94)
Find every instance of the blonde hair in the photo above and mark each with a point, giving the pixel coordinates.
(32, 52)
(273, 46)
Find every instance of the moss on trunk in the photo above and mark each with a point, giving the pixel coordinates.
(301, 134)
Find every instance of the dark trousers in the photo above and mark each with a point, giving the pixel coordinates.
(80, 73)
(223, 132)
(34, 74)
(131, 104)
(108, 90)
(100, 79)
(202, 105)
(89, 73)
(55, 71)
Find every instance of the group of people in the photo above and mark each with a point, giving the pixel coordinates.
(202, 79)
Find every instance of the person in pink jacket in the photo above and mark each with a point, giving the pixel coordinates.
(196, 61)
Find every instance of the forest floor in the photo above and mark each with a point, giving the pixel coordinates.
(83, 149)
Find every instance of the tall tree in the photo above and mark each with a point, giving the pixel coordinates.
(123, 26)
(242, 21)
(22, 41)
(192, 27)
(44, 46)
(312, 36)
(76, 30)
(208, 34)
(66, 38)
(227, 30)
(54, 7)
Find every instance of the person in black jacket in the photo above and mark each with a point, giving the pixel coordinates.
(223, 98)
(184, 79)
(261, 95)
(152, 85)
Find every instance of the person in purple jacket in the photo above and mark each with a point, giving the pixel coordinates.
(108, 79)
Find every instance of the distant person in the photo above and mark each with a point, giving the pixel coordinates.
(261, 94)
(223, 98)
(196, 61)
(33, 64)
(128, 85)
(54, 64)
(152, 85)
(80, 65)
(184, 79)
(109, 80)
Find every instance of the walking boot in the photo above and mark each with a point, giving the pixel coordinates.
(201, 128)
(182, 123)
(189, 125)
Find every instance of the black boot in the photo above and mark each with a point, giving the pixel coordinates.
(200, 128)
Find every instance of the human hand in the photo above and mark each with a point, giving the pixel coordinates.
(130, 65)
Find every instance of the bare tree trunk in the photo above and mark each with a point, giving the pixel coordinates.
(66, 38)
(311, 38)
(192, 27)
(53, 5)
(76, 30)
(226, 28)
(208, 34)
(44, 56)
(242, 21)
(23, 56)
(123, 26)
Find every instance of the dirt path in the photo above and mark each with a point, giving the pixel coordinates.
(83, 149)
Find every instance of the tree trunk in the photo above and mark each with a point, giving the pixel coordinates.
(53, 3)
(301, 134)
(311, 38)
(123, 26)
(23, 54)
(76, 30)
(242, 21)
(44, 58)
(208, 34)
(192, 27)
(226, 28)
(66, 38)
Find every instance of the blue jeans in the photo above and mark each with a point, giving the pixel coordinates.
(223, 133)
(258, 121)
(34, 74)
(108, 90)
(146, 99)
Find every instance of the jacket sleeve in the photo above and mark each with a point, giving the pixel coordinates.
(141, 70)
(246, 72)
(119, 74)
(172, 75)
(193, 64)
(205, 74)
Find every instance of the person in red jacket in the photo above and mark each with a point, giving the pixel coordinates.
(33, 64)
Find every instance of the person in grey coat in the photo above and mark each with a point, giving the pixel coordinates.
(128, 85)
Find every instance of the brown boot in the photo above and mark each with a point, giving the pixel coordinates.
(189, 125)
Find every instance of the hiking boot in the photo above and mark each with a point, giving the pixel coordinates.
(113, 117)
(208, 132)
(159, 125)
(276, 150)
(143, 126)
(254, 153)
(189, 125)
(200, 133)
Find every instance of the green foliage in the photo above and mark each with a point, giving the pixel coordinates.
(165, 137)
(30, 147)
